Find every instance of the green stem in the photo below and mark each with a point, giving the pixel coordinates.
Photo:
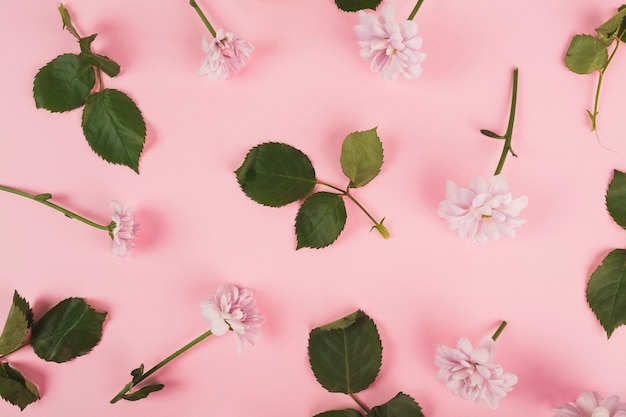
(597, 99)
(43, 199)
(99, 75)
(499, 330)
(202, 16)
(415, 9)
(508, 136)
(361, 404)
(120, 395)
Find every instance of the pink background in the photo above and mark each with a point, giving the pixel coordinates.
(307, 86)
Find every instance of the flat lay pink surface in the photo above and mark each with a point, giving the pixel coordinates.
(306, 85)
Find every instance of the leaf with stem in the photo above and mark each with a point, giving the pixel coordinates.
(16, 389)
(361, 157)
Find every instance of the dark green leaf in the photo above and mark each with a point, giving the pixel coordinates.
(114, 128)
(606, 291)
(361, 157)
(585, 54)
(616, 198)
(401, 405)
(43, 197)
(137, 373)
(346, 358)
(491, 134)
(16, 327)
(356, 5)
(320, 220)
(348, 412)
(16, 389)
(63, 84)
(614, 26)
(143, 392)
(275, 174)
(106, 64)
(70, 329)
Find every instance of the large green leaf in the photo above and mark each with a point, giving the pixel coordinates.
(16, 327)
(63, 84)
(106, 64)
(143, 392)
(586, 54)
(356, 5)
(16, 389)
(114, 127)
(275, 174)
(346, 355)
(70, 329)
(606, 291)
(348, 412)
(320, 220)
(614, 26)
(616, 198)
(361, 157)
(401, 405)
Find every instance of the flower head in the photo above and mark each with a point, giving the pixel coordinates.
(471, 373)
(391, 48)
(590, 404)
(124, 229)
(224, 53)
(483, 211)
(233, 309)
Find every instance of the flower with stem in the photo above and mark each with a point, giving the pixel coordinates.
(225, 52)
(122, 229)
(230, 308)
(590, 404)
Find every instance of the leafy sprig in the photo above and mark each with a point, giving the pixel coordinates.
(112, 123)
(70, 329)
(276, 174)
(346, 356)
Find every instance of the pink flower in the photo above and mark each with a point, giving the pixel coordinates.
(124, 229)
(471, 374)
(590, 404)
(224, 53)
(392, 48)
(233, 309)
(483, 211)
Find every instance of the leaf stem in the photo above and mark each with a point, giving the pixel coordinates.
(508, 136)
(360, 403)
(594, 115)
(415, 9)
(43, 199)
(499, 330)
(203, 17)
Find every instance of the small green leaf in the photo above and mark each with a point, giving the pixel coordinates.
(137, 373)
(69, 329)
(616, 198)
(346, 359)
(143, 392)
(614, 26)
(356, 5)
(43, 197)
(585, 54)
(491, 134)
(348, 412)
(114, 127)
(63, 84)
(361, 157)
(276, 174)
(16, 389)
(106, 64)
(18, 322)
(320, 220)
(606, 291)
(401, 405)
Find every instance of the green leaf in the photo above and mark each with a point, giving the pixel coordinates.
(585, 54)
(106, 64)
(356, 5)
(16, 389)
(114, 128)
(606, 291)
(616, 198)
(143, 392)
(320, 220)
(491, 134)
(361, 157)
(346, 358)
(348, 412)
(63, 84)
(614, 26)
(18, 322)
(137, 374)
(276, 174)
(401, 405)
(70, 329)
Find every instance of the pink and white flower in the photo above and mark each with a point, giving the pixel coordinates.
(124, 230)
(391, 48)
(471, 374)
(224, 53)
(590, 404)
(486, 210)
(233, 309)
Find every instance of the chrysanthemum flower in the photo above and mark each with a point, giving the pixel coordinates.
(124, 231)
(590, 404)
(224, 53)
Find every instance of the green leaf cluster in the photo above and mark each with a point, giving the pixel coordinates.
(275, 174)
(69, 329)
(356, 5)
(112, 123)
(346, 356)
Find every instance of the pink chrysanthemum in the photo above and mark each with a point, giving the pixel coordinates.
(485, 210)
(391, 48)
(471, 373)
(590, 404)
(233, 309)
(124, 231)
(224, 53)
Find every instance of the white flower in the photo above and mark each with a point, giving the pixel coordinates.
(224, 53)
(124, 231)
(590, 404)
